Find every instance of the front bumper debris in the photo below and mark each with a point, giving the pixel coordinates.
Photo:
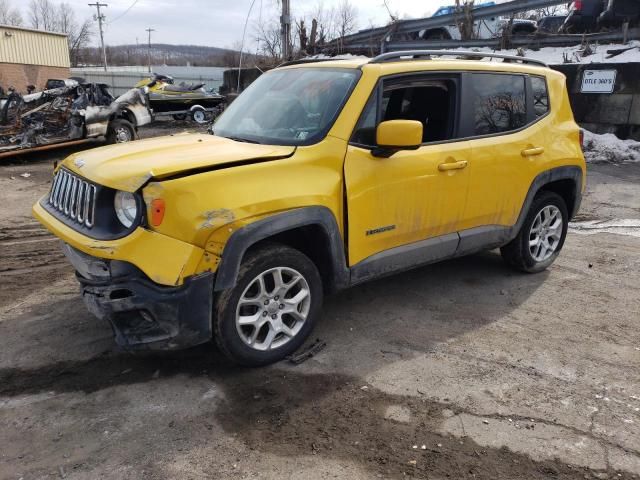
(143, 314)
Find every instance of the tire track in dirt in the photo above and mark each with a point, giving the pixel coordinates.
(31, 258)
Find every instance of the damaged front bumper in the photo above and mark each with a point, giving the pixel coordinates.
(143, 314)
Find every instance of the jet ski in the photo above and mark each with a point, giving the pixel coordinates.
(181, 100)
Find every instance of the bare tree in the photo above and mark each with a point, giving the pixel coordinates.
(313, 37)
(269, 40)
(464, 19)
(61, 18)
(9, 15)
(303, 38)
(78, 34)
(346, 18)
(42, 15)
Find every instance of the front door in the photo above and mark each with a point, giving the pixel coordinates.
(414, 195)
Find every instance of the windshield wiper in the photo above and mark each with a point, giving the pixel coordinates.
(240, 139)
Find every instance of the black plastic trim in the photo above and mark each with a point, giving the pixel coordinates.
(560, 173)
(244, 237)
(148, 316)
(405, 257)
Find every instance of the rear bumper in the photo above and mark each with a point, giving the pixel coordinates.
(143, 314)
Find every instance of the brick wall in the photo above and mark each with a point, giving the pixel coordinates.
(19, 76)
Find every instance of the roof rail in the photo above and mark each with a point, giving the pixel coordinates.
(306, 60)
(460, 54)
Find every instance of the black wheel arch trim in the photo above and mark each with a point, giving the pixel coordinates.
(242, 239)
(572, 172)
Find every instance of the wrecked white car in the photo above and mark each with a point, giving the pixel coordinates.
(70, 114)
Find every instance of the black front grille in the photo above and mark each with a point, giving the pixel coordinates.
(74, 198)
(87, 207)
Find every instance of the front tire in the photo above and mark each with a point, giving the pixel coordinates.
(121, 131)
(542, 235)
(271, 310)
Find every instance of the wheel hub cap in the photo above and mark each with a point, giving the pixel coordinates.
(122, 135)
(273, 308)
(545, 233)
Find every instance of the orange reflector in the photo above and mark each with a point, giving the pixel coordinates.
(157, 211)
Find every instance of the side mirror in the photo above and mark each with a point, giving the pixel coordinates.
(395, 135)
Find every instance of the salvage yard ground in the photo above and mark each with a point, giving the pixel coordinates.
(459, 370)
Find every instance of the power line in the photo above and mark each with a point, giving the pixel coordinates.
(244, 33)
(124, 13)
(100, 18)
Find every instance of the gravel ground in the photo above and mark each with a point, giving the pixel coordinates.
(462, 369)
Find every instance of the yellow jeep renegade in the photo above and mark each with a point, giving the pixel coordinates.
(319, 176)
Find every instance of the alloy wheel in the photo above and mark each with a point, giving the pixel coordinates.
(273, 308)
(545, 233)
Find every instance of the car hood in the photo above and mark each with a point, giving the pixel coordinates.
(128, 166)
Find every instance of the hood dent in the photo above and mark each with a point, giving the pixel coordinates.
(133, 165)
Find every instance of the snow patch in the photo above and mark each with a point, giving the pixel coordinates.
(620, 226)
(607, 148)
(549, 55)
(343, 56)
(557, 55)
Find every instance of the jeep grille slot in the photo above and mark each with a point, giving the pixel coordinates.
(73, 197)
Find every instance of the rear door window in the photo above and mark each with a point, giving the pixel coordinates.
(499, 103)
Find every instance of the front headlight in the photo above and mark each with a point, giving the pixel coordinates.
(126, 208)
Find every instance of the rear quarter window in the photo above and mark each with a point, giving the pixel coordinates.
(540, 96)
(499, 103)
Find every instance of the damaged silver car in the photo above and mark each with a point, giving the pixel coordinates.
(69, 114)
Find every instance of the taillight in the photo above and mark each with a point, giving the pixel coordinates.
(577, 5)
(582, 139)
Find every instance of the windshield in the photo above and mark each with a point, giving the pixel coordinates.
(288, 107)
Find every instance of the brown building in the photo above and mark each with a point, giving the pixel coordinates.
(30, 57)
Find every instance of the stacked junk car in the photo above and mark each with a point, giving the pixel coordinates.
(73, 112)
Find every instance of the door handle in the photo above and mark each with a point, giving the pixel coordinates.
(530, 152)
(443, 167)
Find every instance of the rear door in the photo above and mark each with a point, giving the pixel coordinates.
(506, 143)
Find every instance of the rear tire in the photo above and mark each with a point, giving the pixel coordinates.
(271, 310)
(541, 236)
(121, 131)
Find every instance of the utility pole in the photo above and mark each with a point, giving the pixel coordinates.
(100, 18)
(149, 30)
(285, 30)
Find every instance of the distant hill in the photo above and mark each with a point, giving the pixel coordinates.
(162, 54)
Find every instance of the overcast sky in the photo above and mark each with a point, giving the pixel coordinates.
(219, 23)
